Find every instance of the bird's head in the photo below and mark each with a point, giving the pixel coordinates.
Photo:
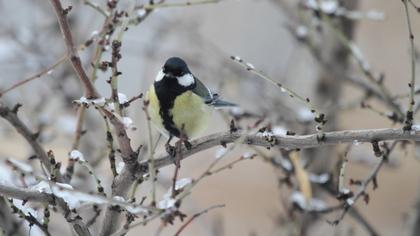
(176, 68)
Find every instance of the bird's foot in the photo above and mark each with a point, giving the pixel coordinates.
(187, 144)
(170, 150)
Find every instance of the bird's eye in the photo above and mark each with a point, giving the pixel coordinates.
(177, 73)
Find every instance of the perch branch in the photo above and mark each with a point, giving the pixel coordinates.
(288, 142)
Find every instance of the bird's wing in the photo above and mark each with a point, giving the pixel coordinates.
(208, 96)
(202, 91)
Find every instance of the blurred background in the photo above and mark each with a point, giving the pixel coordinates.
(261, 32)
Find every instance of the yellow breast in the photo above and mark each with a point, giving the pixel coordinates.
(189, 111)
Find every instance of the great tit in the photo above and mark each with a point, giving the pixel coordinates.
(180, 105)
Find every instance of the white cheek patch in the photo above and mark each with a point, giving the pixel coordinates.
(159, 76)
(186, 80)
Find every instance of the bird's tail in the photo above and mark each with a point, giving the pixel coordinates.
(221, 104)
(218, 103)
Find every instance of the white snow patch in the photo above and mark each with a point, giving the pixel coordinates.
(314, 204)
(250, 66)
(166, 203)
(27, 210)
(136, 209)
(415, 127)
(122, 98)
(279, 130)
(82, 101)
(181, 183)
(118, 199)
(141, 12)
(320, 179)
(64, 186)
(128, 123)
(120, 167)
(77, 155)
(21, 165)
(247, 155)
(99, 101)
(236, 58)
(220, 153)
(329, 6)
(350, 201)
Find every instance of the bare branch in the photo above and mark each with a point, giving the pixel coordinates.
(36, 76)
(71, 49)
(412, 84)
(11, 116)
(25, 194)
(289, 142)
(196, 216)
(30, 137)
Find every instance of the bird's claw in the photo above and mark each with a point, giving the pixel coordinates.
(188, 145)
(170, 150)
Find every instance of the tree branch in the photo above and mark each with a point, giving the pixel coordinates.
(25, 194)
(31, 138)
(288, 142)
(11, 116)
(123, 181)
(9, 222)
(35, 76)
(30, 195)
(61, 13)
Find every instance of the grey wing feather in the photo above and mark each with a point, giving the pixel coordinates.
(208, 96)
(202, 91)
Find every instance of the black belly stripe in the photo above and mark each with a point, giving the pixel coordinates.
(167, 90)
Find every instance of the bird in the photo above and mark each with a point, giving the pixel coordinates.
(179, 104)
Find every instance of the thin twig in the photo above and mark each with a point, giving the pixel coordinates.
(152, 171)
(178, 4)
(25, 194)
(96, 7)
(412, 84)
(32, 220)
(12, 117)
(370, 178)
(318, 117)
(116, 56)
(188, 222)
(61, 14)
(36, 76)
